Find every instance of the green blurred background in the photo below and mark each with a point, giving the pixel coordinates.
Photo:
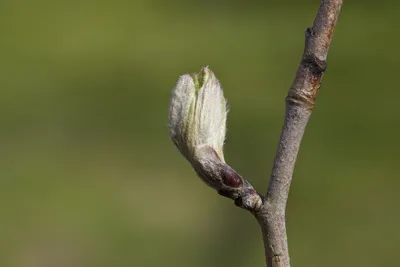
(89, 177)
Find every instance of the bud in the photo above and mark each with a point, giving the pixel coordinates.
(197, 125)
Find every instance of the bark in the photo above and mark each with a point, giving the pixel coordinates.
(299, 105)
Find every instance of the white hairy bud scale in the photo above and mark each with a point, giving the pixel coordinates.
(197, 115)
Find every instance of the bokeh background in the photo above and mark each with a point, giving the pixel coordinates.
(89, 177)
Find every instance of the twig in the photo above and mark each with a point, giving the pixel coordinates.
(299, 104)
(197, 124)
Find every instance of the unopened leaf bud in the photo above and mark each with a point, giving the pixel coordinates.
(197, 125)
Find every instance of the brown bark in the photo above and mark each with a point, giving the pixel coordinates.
(299, 104)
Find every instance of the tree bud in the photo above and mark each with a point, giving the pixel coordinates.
(197, 125)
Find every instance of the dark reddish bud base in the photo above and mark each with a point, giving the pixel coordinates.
(230, 177)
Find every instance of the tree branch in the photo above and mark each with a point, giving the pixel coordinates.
(299, 104)
(197, 125)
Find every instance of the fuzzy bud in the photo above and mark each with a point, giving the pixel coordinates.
(197, 125)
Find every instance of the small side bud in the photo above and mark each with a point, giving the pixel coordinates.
(230, 177)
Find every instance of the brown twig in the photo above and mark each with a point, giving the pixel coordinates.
(299, 104)
(197, 124)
